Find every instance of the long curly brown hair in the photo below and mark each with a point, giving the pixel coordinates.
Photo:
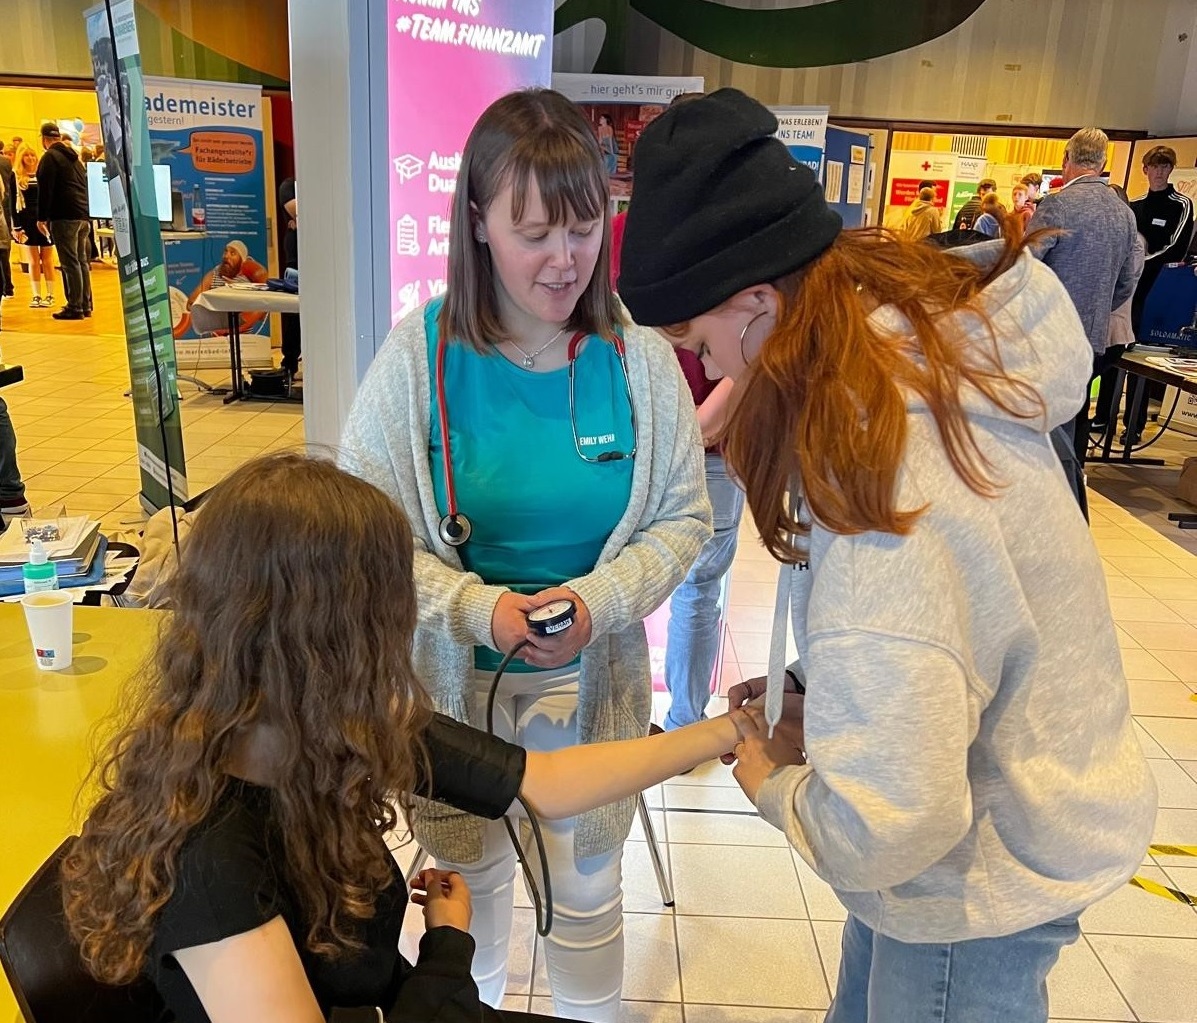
(294, 609)
(825, 403)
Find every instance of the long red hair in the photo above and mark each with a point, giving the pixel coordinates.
(825, 403)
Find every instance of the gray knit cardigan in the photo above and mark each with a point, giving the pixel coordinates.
(667, 521)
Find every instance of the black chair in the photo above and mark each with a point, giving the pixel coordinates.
(43, 965)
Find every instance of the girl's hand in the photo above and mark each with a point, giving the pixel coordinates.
(445, 897)
(758, 756)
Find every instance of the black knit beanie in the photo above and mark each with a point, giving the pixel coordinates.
(718, 205)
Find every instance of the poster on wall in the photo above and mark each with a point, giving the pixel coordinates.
(620, 107)
(804, 131)
(907, 171)
(970, 170)
(445, 65)
(141, 263)
(210, 136)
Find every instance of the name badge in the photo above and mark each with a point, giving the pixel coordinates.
(1159, 222)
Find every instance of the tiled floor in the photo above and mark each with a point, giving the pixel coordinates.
(754, 935)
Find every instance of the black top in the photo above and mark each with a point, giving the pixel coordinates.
(229, 881)
(62, 185)
(290, 235)
(1165, 220)
(9, 179)
(27, 217)
(968, 214)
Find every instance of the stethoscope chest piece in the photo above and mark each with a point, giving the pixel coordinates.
(556, 616)
(455, 529)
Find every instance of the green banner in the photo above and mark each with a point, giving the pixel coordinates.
(141, 260)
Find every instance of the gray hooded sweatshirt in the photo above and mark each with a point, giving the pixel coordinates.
(973, 770)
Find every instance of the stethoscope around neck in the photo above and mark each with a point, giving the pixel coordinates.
(455, 528)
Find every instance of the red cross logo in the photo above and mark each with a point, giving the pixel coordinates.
(926, 166)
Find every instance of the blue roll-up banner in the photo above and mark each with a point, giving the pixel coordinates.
(804, 131)
(210, 136)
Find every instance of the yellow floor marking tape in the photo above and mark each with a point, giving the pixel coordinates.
(1172, 850)
(1171, 894)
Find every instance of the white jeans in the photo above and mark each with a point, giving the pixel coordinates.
(584, 950)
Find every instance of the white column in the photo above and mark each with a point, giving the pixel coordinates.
(330, 64)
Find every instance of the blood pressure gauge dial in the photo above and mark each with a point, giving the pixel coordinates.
(554, 617)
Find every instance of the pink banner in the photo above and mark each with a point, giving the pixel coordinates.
(447, 61)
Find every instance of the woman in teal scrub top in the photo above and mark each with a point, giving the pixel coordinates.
(543, 449)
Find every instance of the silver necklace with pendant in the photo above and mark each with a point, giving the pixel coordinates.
(530, 360)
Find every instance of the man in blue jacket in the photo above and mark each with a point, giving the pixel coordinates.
(1093, 253)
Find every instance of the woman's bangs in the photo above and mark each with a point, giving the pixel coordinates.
(568, 174)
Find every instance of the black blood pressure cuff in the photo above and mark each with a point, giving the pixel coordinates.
(471, 770)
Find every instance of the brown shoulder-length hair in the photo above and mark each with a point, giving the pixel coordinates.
(275, 624)
(825, 402)
(532, 135)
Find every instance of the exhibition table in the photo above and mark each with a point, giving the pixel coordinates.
(47, 726)
(233, 301)
(1142, 368)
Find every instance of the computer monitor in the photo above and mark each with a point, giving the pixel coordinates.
(99, 201)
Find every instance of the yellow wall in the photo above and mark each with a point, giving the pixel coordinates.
(1009, 158)
(23, 110)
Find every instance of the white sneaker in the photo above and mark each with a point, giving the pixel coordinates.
(47, 302)
(36, 303)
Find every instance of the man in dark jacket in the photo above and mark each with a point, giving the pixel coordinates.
(8, 210)
(971, 210)
(64, 217)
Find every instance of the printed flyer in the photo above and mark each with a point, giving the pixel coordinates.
(447, 62)
(210, 136)
(116, 60)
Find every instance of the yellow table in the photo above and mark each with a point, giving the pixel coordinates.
(46, 743)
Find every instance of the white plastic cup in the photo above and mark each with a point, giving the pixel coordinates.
(50, 615)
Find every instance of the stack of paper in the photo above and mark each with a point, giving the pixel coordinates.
(73, 554)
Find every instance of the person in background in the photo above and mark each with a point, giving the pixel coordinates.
(966, 714)
(993, 219)
(29, 230)
(1122, 336)
(1091, 249)
(63, 217)
(580, 473)
(1023, 208)
(1033, 183)
(6, 240)
(972, 209)
(236, 856)
(608, 145)
(13, 502)
(8, 210)
(289, 217)
(1164, 217)
(923, 218)
(692, 645)
(14, 147)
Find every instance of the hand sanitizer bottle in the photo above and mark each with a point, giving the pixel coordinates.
(39, 571)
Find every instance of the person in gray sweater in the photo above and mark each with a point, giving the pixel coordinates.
(1092, 252)
(969, 779)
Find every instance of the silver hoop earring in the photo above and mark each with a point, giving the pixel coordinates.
(744, 334)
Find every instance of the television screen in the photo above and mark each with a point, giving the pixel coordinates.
(99, 202)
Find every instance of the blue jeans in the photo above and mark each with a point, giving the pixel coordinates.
(693, 642)
(985, 980)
